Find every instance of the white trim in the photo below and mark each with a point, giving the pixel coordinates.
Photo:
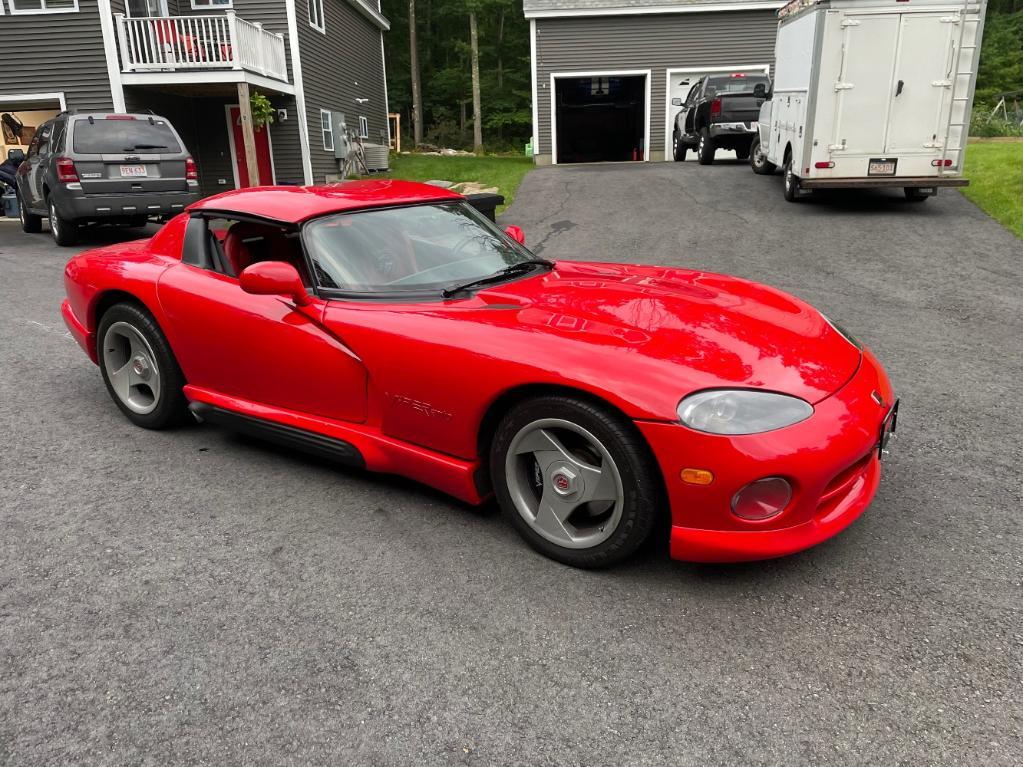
(669, 117)
(209, 5)
(363, 126)
(608, 73)
(299, 91)
(536, 95)
(387, 104)
(106, 25)
(632, 10)
(2, 12)
(40, 11)
(373, 14)
(322, 26)
(328, 130)
(234, 152)
(53, 96)
(205, 77)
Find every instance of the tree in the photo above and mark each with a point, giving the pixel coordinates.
(477, 111)
(417, 86)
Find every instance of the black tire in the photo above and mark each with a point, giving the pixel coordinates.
(30, 222)
(64, 231)
(915, 195)
(678, 149)
(790, 183)
(758, 160)
(171, 406)
(742, 152)
(705, 150)
(642, 498)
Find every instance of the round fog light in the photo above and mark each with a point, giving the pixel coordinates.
(762, 499)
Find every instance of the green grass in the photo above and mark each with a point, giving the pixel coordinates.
(503, 172)
(996, 182)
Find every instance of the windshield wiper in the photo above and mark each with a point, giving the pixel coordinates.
(521, 267)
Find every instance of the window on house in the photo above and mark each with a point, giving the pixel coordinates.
(43, 6)
(363, 127)
(214, 4)
(316, 14)
(327, 129)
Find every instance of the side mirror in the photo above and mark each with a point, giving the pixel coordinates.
(760, 91)
(516, 234)
(274, 278)
(16, 155)
(676, 102)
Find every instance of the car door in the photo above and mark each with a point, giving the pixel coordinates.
(262, 349)
(690, 110)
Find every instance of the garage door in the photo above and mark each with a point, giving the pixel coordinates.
(20, 116)
(679, 83)
(601, 117)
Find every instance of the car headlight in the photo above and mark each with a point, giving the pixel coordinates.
(741, 411)
(842, 331)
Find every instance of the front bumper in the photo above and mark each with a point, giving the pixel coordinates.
(831, 460)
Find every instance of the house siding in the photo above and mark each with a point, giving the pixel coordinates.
(656, 42)
(337, 68)
(44, 53)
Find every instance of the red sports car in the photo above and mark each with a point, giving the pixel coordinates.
(389, 325)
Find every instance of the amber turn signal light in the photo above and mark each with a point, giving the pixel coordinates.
(697, 476)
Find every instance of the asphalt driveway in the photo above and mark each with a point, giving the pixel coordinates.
(193, 597)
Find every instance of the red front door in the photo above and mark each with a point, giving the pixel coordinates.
(266, 173)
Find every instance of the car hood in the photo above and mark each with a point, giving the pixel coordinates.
(680, 329)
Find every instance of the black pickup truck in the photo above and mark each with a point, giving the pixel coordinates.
(720, 112)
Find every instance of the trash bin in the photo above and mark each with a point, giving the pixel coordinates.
(529, 148)
(10, 204)
(486, 203)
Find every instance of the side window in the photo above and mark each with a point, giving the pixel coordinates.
(59, 133)
(232, 245)
(33, 148)
(691, 98)
(43, 137)
(363, 127)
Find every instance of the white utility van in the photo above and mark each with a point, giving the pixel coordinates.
(871, 93)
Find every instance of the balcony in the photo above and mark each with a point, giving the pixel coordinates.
(181, 49)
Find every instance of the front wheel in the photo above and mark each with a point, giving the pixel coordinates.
(64, 231)
(139, 369)
(30, 222)
(791, 181)
(576, 480)
(758, 159)
(678, 149)
(705, 149)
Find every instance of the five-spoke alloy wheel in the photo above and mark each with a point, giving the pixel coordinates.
(576, 479)
(138, 367)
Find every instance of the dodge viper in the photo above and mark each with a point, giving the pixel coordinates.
(388, 325)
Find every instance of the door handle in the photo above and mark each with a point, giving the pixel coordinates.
(898, 90)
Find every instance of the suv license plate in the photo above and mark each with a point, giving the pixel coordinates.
(882, 167)
(133, 170)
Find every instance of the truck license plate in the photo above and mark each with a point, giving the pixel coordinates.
(881, 167)
(133, 170)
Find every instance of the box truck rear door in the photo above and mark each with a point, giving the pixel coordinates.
(922, 85)
(864, 86)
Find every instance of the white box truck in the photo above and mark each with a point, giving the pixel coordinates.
(871, 93)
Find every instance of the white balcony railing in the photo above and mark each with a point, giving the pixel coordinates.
(172, 43)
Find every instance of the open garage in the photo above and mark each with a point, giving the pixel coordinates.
(601, 117)
(605, 73)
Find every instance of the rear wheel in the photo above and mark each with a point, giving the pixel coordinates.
(758, 159)
(742, 152)
(705, 150)
(915, 195)
(791, 181)
(576, 480)
(139, 369)
(64, 231)
(30, 222)
(678, 149)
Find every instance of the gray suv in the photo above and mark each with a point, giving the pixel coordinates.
(115, 168)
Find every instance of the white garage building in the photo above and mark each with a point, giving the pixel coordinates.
(605, 71)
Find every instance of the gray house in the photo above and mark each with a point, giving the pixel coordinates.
(193, 61)
(605, 71)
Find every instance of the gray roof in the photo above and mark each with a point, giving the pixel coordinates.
(529, 6)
